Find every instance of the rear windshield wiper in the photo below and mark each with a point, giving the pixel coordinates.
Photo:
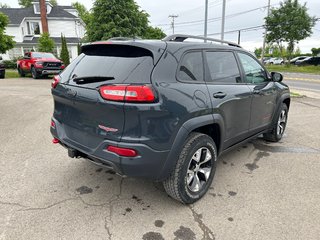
(91, 79)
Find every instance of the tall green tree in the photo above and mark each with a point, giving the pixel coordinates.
(64, 55)
(46, 44)
(118, 18)
(290, 23)
(315, 51)
(28, 3)
(153, 33)
(6, 42)
(83, 12)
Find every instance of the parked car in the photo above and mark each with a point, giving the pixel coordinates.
(293, 60)
(166, 109)
(39, 64)
(276, 61)
(2, 69)
(265, 60)
(308, 61)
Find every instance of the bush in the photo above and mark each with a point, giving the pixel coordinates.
(10, 64)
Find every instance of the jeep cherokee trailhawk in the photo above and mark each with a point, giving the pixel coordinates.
(166, 109)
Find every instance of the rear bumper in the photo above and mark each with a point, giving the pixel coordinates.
(148, 164)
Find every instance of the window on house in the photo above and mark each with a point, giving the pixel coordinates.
(33, 28)
(36, 7)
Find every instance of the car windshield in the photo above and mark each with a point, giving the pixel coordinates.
(42, 55)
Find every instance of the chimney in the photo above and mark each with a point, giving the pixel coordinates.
(43, 12)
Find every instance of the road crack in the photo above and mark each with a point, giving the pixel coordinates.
(207, 232)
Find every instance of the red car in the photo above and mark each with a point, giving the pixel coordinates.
(39, 64)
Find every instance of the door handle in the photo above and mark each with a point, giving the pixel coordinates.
(256, 92)
(219, 95)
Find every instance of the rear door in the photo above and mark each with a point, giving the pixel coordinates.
(264, 92)
(85, 116)
(230, 96)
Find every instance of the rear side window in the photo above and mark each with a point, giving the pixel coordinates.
(191, 67)
(223, 67)
(119, 63)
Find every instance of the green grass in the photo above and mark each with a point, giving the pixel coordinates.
(296, 95)
(12, 73)
(293, 68)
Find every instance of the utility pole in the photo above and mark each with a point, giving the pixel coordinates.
(265, 35)
(223, 19)
(206, 21)
(239, 37)
(172, 16)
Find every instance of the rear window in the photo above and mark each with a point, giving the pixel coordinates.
(118, 63)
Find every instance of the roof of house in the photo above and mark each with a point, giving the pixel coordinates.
(16, 15)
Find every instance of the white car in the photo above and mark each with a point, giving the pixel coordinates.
(276, 61)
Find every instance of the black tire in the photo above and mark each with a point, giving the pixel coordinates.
(279, 126)
(177, 185)
(34, 73)
(21, 72)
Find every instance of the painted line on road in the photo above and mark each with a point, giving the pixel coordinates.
(302, 79)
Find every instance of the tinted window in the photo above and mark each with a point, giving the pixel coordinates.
(191, 68)
(253, 70)
(120, 62)
(223, 67)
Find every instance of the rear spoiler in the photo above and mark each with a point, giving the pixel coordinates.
(130, 48)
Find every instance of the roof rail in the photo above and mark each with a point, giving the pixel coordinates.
(183, 37)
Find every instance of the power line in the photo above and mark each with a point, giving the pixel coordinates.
(197, 22)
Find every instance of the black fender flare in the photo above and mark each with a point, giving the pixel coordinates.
(180, 139)
(282, 98)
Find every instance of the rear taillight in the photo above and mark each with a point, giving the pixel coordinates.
(124, 152)
(128, 93)
(55, 141)
(55, 82)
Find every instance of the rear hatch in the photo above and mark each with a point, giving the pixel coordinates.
(84, 116)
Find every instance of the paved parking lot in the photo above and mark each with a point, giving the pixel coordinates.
(261, 190)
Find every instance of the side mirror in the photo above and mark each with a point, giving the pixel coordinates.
(276, 77)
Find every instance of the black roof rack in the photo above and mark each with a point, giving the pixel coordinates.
(182, 37)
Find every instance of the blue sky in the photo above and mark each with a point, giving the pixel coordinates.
(191, 15)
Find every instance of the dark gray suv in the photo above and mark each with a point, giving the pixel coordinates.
(165, 110)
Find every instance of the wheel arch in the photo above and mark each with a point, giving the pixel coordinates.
(206, 124)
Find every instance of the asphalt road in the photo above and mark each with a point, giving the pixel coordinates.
(260, 191)
(309, 82)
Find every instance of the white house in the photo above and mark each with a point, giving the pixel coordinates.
(25, 26)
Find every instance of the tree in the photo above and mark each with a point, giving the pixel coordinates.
(315, 51)
(46, 44)
(28, 3)
(154, 33)
(64, 55)
(118, 18)
(290, 23)
(5, 40)
(83, 13)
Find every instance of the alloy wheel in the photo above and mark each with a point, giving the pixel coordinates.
(199, 169)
